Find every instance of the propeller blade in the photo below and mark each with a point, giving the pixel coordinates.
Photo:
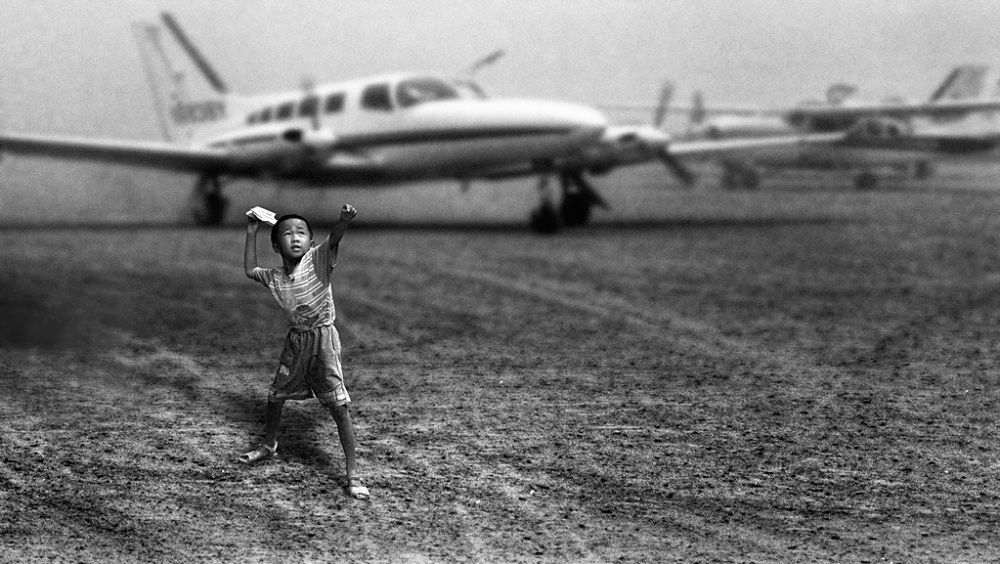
(311, 101)
(682, 173)
(698, 113)
(666, 93)
(485, 61)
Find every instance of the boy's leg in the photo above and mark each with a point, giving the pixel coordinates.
(272, 421)
(345, 429)
(269, 444)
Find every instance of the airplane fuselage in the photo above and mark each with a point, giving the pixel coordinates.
(393, 128)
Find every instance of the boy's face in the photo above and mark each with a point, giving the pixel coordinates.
(294, 238)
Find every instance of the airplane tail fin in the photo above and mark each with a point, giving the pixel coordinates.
(964, 82)
(192, 101)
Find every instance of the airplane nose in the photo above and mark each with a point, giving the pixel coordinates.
(528, 114)
(578, 117)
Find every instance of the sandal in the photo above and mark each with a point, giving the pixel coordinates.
(356, 489)
(259, 454)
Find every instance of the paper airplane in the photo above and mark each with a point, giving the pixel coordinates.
(265, 215)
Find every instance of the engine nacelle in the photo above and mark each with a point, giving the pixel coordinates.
(740, 127)
(880, 129)
(280, 148)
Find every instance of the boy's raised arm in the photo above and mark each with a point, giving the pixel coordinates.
(347, 213)
(250, 252)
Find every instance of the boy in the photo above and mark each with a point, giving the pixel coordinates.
(310, 362)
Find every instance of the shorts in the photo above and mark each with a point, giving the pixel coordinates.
(310, 366)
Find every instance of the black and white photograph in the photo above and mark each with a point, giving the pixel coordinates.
(521, 281)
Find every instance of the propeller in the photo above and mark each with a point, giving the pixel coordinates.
(484, 62)
(666, 93)
(674, 165)
(310, 145)
(464, 79)
(308, 93)
(698, 113)
(661, 142)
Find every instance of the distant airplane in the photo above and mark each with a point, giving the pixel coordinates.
(882, 135)
(378, 131)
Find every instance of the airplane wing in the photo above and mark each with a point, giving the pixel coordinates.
(681, 109)
(925, 109)
(713, 147)
(143, 153)
(942, 143)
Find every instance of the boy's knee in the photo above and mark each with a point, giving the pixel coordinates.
(340, 411)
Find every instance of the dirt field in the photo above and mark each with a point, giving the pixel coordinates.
(796, 375)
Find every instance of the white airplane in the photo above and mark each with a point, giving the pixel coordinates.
(378, 131)
(895, 135)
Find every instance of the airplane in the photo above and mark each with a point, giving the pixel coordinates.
(884, 135)
(377, 131)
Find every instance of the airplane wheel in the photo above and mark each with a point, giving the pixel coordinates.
(866, 181)
(216, 205)
(575, 210)
(208, 205)
(545, 219)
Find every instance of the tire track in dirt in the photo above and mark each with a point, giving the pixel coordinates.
(526, 498)
(133, 359)
(692, 333)
(371, 336)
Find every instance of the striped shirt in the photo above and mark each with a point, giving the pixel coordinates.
(305, 294)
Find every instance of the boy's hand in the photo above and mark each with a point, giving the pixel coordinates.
(253, 224)
(348, 212)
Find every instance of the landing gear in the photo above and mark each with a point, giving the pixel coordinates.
(866, 181)
(578, 199)
(544, 219)
(208, 205)
(575, 209)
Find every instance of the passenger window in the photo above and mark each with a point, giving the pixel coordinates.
(376, 97)
(285, 111)
(309, 106)
(334, 103)
(253, 118)
(265, 115)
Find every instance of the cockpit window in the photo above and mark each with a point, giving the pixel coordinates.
(419, 90)
(376, 97)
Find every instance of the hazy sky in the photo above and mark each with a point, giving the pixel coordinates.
(72, 65)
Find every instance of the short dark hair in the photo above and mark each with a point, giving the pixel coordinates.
(274, 229)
